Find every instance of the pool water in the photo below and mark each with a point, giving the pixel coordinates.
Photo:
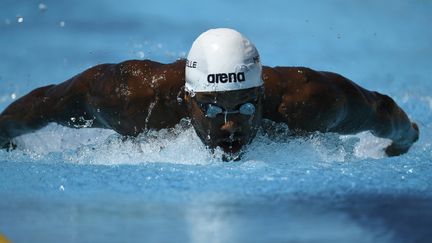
(88, 185)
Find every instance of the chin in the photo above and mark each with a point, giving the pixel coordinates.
(233, 150)
(231, 146)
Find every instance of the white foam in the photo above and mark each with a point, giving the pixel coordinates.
(182, 146)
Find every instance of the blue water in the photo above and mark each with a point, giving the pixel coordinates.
(67, 185)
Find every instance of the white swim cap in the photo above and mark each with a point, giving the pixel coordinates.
(222, 60)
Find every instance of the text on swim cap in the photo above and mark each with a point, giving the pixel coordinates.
(226, 77)
(191, 64)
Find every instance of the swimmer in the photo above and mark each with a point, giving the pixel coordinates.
(222, 88)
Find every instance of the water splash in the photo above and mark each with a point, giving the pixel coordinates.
(150, 111)
(100, 146)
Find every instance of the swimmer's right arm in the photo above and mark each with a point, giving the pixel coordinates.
(128, 97)
(63, 103)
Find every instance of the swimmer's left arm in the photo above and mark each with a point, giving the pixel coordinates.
(378, 113)
(309, 101)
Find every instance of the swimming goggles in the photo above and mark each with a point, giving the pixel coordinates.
(212, 110)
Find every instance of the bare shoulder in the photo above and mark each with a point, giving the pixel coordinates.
(134, 95)
(140, 73)
(134, 77)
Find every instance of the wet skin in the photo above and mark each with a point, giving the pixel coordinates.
(134, 96)
(228, 130)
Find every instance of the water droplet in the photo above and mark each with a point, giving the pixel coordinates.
(13, 96)
(61, 188)
(182, 54)
(20, 19)
(42, 7)
(140, 54)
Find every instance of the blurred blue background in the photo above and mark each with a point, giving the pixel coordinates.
(372, 42)
(87, 186)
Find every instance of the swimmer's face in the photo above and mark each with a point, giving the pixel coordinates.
(228, 119)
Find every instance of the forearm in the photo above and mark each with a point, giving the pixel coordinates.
(378, 113)
(393, 123)
(24, 115)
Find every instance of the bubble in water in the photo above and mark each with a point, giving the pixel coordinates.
(20, 19)
(13, 96)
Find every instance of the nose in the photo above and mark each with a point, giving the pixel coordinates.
(230, 126)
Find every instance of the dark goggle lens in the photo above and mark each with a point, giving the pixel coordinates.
(213, 111)
(247, 109)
